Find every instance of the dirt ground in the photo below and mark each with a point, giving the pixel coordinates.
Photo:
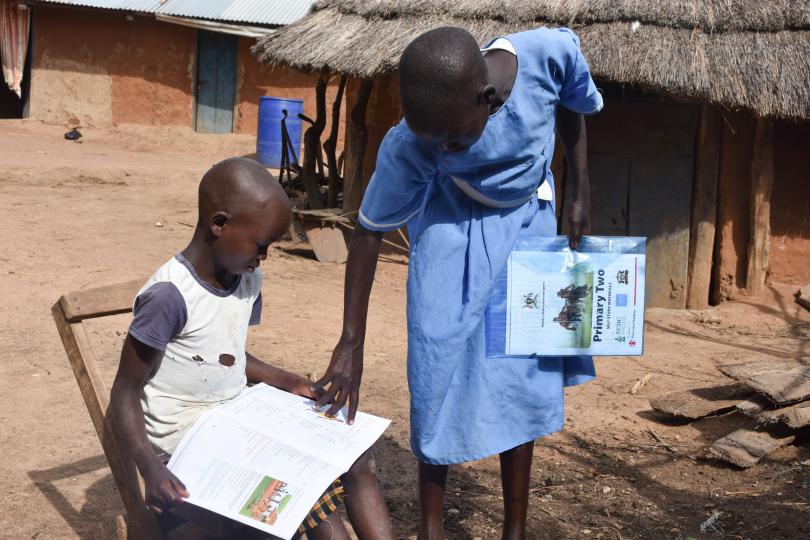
(77, 215)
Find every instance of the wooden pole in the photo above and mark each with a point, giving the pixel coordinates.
(762, 174)
(704, 208)
(312, 141)
(330, 147)
(356, 142)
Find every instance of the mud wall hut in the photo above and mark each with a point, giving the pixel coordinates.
(173, 62)
(701, 145)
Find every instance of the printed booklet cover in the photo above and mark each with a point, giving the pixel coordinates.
(554, 301)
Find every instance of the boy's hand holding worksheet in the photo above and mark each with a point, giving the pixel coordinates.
(265, 457)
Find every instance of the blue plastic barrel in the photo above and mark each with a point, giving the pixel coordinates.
(268, 134)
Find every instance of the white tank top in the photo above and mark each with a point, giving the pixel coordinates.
(193, 375)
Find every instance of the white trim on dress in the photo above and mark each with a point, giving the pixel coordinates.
(396, 225)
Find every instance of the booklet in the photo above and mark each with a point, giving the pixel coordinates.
(554, 301)
(266, 457)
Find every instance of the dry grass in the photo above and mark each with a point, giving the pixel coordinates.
(735, 53)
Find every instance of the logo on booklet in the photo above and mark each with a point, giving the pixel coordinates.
(621, 300)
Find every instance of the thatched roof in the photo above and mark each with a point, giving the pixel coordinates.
(752, 54)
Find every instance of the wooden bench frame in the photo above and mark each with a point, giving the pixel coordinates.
(69, 312)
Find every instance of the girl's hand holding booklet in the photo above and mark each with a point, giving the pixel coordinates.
(554, 301)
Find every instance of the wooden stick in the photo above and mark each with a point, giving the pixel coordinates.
(661, 440)
(330, 146)
(555, 516)
(544, 488)
(640, 383)
(404, 238)
(356, 141)
(762, 175)
(384, 241)
(704, 208)
(312, 139)
(759, 528)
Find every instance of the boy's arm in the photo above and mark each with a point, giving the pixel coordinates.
(346, 367)
(571, 128)
(138, 362)
(258, 371)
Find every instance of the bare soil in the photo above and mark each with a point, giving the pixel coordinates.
(78, 215)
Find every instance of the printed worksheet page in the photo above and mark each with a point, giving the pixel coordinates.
(293, 419)
(265, 458)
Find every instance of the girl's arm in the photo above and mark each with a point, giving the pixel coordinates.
(571, 128)
(346, 366)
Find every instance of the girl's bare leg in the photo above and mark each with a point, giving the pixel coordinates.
(432, 481)
(516, 469)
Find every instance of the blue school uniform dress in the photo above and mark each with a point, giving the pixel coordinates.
(464, 211)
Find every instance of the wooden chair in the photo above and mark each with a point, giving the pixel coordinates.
(69, 312)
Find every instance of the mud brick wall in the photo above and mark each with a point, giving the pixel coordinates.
(100, 68)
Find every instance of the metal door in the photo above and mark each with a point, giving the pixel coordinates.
(216, 82)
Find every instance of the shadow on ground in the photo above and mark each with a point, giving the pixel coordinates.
(610, 490)
(96, 518)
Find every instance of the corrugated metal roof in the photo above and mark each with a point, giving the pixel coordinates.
(276, 12)
(270, 12)
(143, 6)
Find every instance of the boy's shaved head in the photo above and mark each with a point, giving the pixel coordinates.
(243, 209)
(441, 75)
(239, 186)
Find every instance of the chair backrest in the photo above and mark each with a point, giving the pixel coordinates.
(68, 313)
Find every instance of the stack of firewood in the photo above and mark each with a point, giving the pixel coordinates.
(775, 393)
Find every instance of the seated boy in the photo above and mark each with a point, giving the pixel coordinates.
(185, 353)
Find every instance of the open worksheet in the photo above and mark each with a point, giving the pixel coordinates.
(265, 458)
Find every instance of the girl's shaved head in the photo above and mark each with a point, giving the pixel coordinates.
(441, 74)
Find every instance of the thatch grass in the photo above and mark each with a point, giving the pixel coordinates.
(735, 53)
(710, 15)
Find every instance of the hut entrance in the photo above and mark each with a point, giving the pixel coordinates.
(14, 102)
(216, 82)
(641, 162)
(11, 106)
